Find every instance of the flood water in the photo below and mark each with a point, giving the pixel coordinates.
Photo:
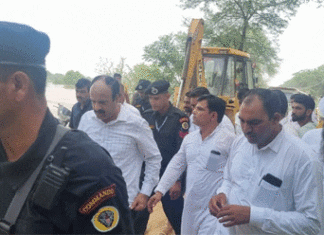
(57, 94)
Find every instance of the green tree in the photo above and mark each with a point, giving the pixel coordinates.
(69, 79)
(247, 25)
(310, 81)
(54, 78)
(152, 72)
(142, 71)
(263, 51)
(243, 15)
(168, 54)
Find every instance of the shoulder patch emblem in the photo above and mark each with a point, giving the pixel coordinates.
(105, 219)
(99, 197)
(184, 119)
(185, 125)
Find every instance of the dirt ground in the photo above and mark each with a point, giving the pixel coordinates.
(158, 223)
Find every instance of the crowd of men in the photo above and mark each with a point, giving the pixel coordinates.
(107, 171)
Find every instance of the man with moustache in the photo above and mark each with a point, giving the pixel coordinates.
(82, 88)
(273, 183)
(186, 104)
(128, 139)
(169, 126)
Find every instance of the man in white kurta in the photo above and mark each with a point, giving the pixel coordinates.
(204, 156)
(272, 180)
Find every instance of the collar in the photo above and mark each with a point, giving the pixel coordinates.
(309, 124)
(122, 116)
(274, 145)
(216, 130)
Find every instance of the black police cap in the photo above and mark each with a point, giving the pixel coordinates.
(22, 45)
(158, 87)
(142, 85)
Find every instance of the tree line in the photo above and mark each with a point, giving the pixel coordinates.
(310, 81)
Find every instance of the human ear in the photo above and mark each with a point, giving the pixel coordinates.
(276, 117)
(215, 116)
(309, 112)
(19, 84)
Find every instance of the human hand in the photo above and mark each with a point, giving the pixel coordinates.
(139, 202)
(154, 200)
(175, 191)
(216, 203)
(232, 215)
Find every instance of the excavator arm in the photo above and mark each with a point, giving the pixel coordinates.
(193, 72)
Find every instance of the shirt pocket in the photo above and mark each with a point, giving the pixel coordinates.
(216, 161)
(265, 195)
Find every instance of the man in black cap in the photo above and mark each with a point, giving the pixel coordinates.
(141, 102)
(52, 180)
(169, 126)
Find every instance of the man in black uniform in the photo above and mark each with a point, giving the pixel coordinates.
(82, 88)
(92, 197)
(141, 102)
(169, 126)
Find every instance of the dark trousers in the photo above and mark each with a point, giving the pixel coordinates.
(173, 210)
(140, 219)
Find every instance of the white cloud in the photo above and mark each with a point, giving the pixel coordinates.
(83, 31)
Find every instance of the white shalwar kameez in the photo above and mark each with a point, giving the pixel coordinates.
(204, 176)
(294, 207)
